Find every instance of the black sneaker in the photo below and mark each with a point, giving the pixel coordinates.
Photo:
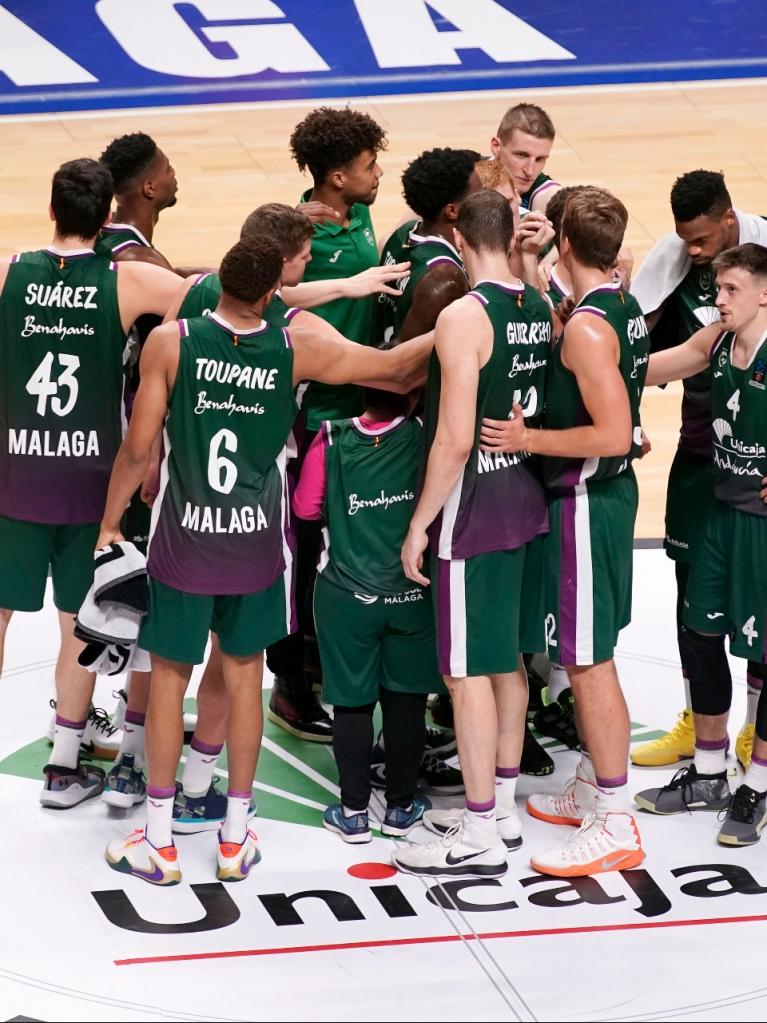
(439, 776)
(439, 742)
(536, 683)
(557, 720)
(687, 791)
(442, 711)
(295, 707)
(535, 759)
(745, 817)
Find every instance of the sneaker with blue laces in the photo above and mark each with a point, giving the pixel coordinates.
(201, 813)
(124, 786)
(354, 829)
(400, 820)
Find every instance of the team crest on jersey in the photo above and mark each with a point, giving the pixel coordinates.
(757, 380)
(722, 361)
(369, 236)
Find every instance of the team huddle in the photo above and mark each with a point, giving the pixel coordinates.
(396, 474)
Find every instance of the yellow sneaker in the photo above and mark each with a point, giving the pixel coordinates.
(678, 744)
(744, 745)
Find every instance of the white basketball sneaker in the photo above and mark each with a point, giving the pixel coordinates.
(602, 843)
(457, 854)
(136, 855)
(506, 817)
(235, 859)
(576, 800)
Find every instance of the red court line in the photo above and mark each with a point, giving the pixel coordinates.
(440, 938)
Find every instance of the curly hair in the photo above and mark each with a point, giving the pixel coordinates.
(699, 193)
(289, 229)
(436, 178)
(81, 194)
(127, 157)
(250, 269)
(328, 139)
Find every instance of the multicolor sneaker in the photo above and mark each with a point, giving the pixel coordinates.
(506, 817)
(136, 855)
(354, 829)
(557, 719)
(687, 791)
(678, 744)
(201, 813)
(602, 843)
(236, 859)
(745, 817)
(744, 746)
(576, 800)
(454, 855)
(64, 787)
(535, 760)
(125, 785)
(400, 820)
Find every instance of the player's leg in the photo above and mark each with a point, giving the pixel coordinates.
(5, 618)
(125, 785)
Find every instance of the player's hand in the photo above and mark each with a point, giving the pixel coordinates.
(108, 536)
(505, 434)
(763, 491)
(149, 490)
(374, 280)
(317, 211)
(534, 233)
(544, 277)
(623, 267)
(646, 445)
(413, 549)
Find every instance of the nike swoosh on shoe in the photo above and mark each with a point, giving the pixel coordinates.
(454, 860)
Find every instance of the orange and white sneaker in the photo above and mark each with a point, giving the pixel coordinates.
(235, 859)
(136, 855)
(576, 800)
(602, 843)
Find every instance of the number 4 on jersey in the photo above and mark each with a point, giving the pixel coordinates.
(43, 385)
(734, 404)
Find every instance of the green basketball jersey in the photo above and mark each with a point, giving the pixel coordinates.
(62, 349)
(339, 251)
(498, 502)
(540, 183)
(695, 300)
(115, 238)
(371, 475)
(739, 413)
(564, 405)
(557, 289)
(202, 298)
(218, 524)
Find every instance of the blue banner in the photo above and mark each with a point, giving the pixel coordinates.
(58, 55)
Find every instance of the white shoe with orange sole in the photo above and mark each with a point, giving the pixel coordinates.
(576, 801)
(602, 843)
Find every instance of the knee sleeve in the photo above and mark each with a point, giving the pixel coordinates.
(708, 671)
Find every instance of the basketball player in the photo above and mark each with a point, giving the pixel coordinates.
(219, 557)
(675, 287)
(523, 145)
(481, 514)
(61, 413)
(727, 588)
(591, 435)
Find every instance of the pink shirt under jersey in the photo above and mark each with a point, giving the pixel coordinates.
(310, 492)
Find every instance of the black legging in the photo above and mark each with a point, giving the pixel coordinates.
(404, 732)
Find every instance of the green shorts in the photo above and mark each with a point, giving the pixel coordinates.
(29, 549)
(371, 641)
(589, 563)
(727, 590)
(178, 623)
(483, 609)
(689, 499)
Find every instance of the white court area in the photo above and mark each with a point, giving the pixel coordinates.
(678, 938)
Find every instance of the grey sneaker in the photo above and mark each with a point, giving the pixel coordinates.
(745, 818)
(687, 791)
(125, 785)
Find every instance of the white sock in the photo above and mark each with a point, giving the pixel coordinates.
(199, 767)
(506, 786)
(585, 768)
(67, 737)
(687, 697)
(756, 775)
(753, 692)
(480, 827)
(558, 682)
(133, 738)
(710, 760)
(235, 825)
(159, 816)
(612, 795)
(351, 813)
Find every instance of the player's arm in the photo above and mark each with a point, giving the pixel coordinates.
(159, 362)
(533, 234)
(183, 290)
(141, 254)
(591, 353)
(685, 360)
(439, 286)
(143, 288)
(318, 357)
(463, 334)
(309, 495)
(372, 281)
(543, 195)
(4, 266)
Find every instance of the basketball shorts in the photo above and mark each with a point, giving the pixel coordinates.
(689, 499)
(589, 562)
(487, 610)
(727, 589)
(28, 550)
(178, 623)
(367, 641)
